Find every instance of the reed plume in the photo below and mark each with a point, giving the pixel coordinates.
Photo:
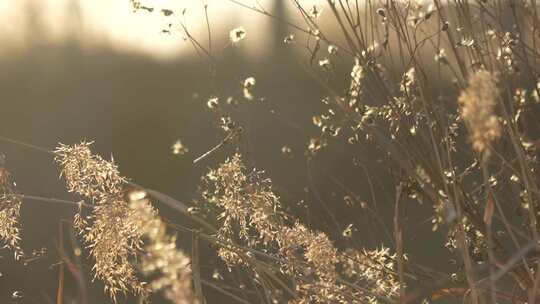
(246, 203)
(162, 260)
(10, 209)
(111, 230)
(477, 104)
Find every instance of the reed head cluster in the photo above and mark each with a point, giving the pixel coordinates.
(478, 102)
(161, 259)
(10, 209)
(110, 231)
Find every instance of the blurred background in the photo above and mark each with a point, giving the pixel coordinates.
(75, 70)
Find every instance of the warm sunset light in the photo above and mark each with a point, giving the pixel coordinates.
(269, 151)
(115, 23)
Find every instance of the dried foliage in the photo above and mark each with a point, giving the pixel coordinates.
(10, 209)
(111, 230)
(88, 174)
(478, 103)
(161, 259)
(248, 214)
(248, 207)
(376, 268)
(435, 103)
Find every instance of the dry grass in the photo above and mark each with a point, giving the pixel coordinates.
(462, 150)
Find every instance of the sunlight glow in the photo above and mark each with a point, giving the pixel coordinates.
(114, 24)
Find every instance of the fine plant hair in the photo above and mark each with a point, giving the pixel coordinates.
(162, 256)
(457, 146)
(307, 258)
(477, 103)
(111, 230)
(117, 226)
(442, 95)
(10, 209)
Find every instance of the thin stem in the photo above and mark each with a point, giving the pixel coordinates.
(21, 143)
(53, 200)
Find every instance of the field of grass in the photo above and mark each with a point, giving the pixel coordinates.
(432, 104)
